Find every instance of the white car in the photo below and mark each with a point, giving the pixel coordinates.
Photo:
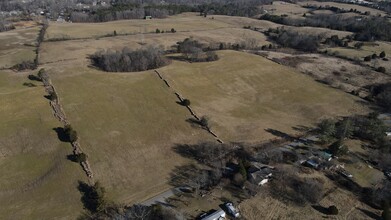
(231, 209)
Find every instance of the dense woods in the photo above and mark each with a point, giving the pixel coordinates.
(285, 38)
(128, 60)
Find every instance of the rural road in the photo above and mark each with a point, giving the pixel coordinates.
(161, 198)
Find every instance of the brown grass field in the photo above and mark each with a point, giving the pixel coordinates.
(38, 181)
(17, 45)
(129, 122)
(245, 94)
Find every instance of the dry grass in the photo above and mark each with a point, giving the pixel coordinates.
(38, 181)
(337, 72)
(245, 94)
(17, 46)
(183, 22)
(80, 49)
(367, 50)
(267, 207)
(285, 8)
(344, 6)
(128, 124)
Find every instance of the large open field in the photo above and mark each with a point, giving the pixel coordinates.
(128, 123)
(17, 45)
(38, 182)
(245, 94)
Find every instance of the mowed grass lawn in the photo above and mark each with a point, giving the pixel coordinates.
(244, 94)
(128, 124)
(38, 182)
(17, 46)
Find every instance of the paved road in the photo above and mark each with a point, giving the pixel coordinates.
(161, 198)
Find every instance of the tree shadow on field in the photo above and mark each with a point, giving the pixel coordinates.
(72, 158)
(194, 122)
(87, 196)
(61, 134)
(280, 134)
(321, 209)
(370, 214)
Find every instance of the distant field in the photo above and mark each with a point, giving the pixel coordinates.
(344, 6)
(285, 8)
(319, 31)
(128, 124)
(367, 50)
(17, 46)
(183, 22)
(80, 49)
(245, 94)
(38, 182)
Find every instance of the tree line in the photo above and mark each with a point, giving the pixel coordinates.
(365, 28)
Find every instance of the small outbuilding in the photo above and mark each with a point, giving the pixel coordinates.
(217, 215)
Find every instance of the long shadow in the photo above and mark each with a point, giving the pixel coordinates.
(370, 214)
(61, 134)
(87, 197)
(280, 134)
(194, 122)
(321, 209)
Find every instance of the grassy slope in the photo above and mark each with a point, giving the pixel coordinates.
(244, 94)
(38, 181)
(128, 124)
(13, 48)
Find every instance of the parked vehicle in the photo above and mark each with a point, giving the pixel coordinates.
(231, 209)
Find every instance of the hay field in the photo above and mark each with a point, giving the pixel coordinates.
(245, 94)
(285, 8)
(183, 22)
(17, 45)
(128, 124)
(80, 49)
(38, 182)
(344, 6)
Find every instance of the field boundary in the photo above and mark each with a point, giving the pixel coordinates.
(192, 112)
(59, 114)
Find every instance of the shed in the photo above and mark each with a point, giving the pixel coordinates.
(148, 17)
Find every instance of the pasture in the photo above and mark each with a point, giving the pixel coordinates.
(17, 46)
(244, 95)
(128, 124)
(38, 181)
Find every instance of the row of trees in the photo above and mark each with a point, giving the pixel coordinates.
(364, 127)
(292, 39)
(365, 28)
(128, 60)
